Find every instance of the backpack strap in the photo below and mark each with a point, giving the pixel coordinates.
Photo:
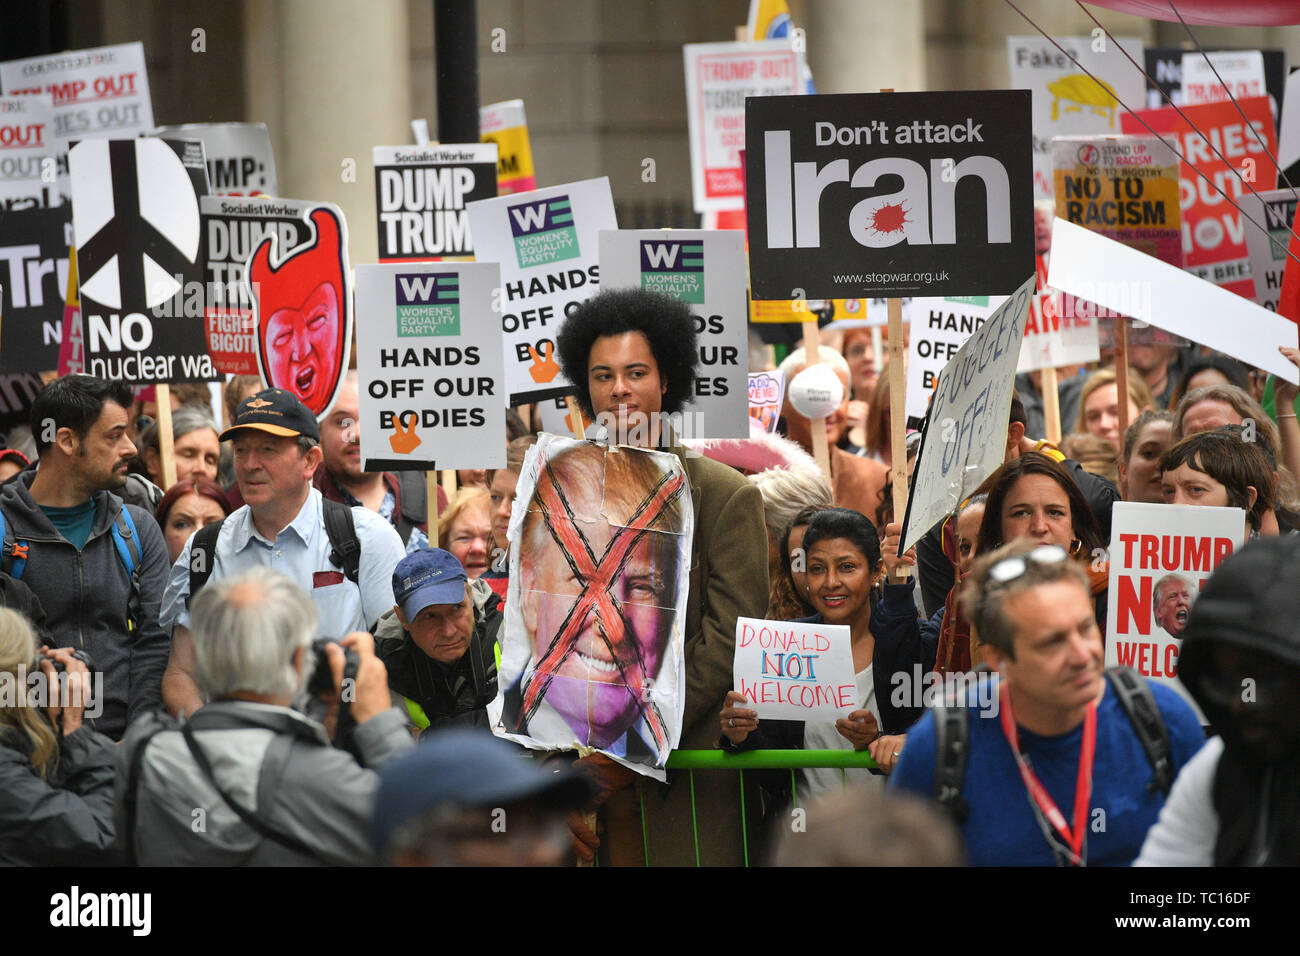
(342, 531)
(131, 794)
(255, 823)
(952, 732)
(413, 508)
(204, 546)
(13, 561)
(127, 541)
(1140, 706)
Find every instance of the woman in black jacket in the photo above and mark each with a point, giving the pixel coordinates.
(56, 774)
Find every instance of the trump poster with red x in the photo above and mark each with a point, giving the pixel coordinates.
(592, 651)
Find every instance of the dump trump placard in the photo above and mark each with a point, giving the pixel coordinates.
(421, 195)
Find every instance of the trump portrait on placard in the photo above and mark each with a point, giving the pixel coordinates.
(302, 301)
(592, 649)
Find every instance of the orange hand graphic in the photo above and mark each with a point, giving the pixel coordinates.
(403, 440)
(544, 367)
(579, 426)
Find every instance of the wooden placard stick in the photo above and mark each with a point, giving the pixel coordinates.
(812, 351)
(163, 396)
(434, 514)
(1121, 373)
(1051, 406)
(897, 419)
(574, 418)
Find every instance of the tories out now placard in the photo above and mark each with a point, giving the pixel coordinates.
(890, 194)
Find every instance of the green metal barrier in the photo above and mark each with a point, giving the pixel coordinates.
(792, 760)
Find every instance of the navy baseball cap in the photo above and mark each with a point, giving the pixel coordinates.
(428, 576)
(277, 412)
(467, 767)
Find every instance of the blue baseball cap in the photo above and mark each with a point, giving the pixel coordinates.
(467, 767)
(428, 576)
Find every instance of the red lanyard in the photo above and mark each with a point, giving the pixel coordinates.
(1038, 793)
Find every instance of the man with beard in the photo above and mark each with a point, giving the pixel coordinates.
(1172, 597)
(1237, 803)
(97, 565)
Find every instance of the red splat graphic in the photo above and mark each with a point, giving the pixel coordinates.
(889, 218)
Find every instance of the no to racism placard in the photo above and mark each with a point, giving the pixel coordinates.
(719, 76)
(1214, 239)
(135, 205)
(33, 280)
(505, 125)
(1124, 187)
(429, 362)
(706, 270)
(102, 92)
(238, 156)
(548, 245)
(791, 671)
(1066, 100)
(421, 195)
(1160, 556)
(1090, 266)
(888, 194)
(939, 329)
(28, 171)
(1275, 211)
(966, 429)
(232, 228)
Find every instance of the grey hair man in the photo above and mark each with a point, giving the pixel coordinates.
(248, 780)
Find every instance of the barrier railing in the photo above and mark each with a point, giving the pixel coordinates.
(792, 760)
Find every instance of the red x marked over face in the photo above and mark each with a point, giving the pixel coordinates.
(597, 580)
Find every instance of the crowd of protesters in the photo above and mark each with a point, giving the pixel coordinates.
(281, 658)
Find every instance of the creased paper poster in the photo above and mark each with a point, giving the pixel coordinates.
(592, 652)
(429, 354)
(1160, 556)
(238, 156)
(792, 671)
(302, 304)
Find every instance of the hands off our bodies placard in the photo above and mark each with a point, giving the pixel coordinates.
(706, 270)
(429, 360)
(547, 242)
(891, 194)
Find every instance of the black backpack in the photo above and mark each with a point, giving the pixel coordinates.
(339, 527)
(1135, 697)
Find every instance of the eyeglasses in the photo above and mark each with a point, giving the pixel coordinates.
(1015, 567)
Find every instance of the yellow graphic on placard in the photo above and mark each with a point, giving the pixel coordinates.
(1081, 93)
(514, 159)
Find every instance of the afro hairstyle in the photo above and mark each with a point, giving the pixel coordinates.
(665, 322)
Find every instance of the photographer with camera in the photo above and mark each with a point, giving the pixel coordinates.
(248, 780)
(56, 773)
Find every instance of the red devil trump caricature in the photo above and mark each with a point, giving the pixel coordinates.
(302, 303)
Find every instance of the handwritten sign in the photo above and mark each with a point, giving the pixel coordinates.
(766, 390)
(791, 671)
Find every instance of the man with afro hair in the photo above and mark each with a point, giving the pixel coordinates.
(631, 356)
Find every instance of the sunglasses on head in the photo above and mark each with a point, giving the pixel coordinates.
(1015, 567)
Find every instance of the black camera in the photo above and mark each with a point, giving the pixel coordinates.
(80, 655)
(322, 679)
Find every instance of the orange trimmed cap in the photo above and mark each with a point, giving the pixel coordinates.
(277, 412)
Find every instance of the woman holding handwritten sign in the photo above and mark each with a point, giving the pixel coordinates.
(843, 560)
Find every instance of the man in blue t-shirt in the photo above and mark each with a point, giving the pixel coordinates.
(1055, 772)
